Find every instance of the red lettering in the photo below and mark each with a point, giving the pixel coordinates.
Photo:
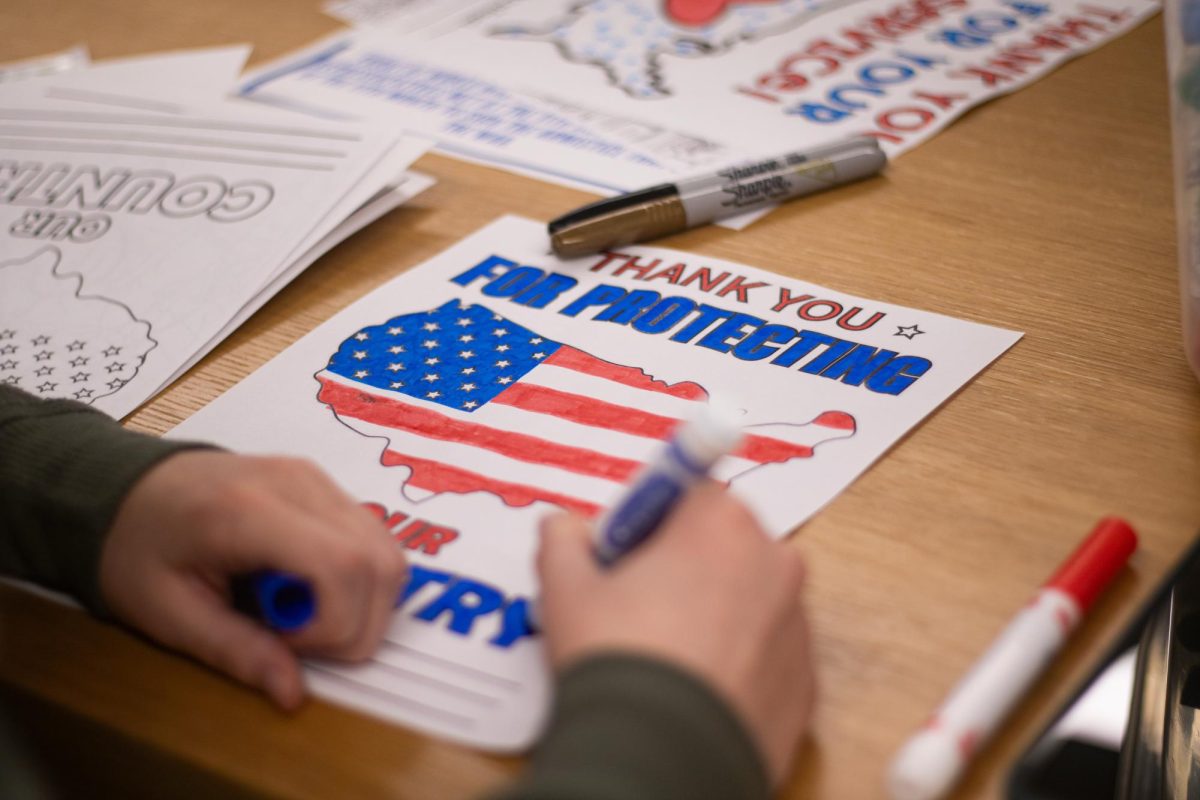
(844, 320)
(894, 119)
(431, 539)
(940, 100)
(606, 260)
(806, 311)
(671, 274)
(739, 287)
(770, 98)
(986, 76)
(705, 278)
(633, 265)
(786, 299)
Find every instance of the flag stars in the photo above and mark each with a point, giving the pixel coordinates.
(83, 394)
(434, 395)
(468, 387)
(78, 361)
(536, 340)
(7, 333)
(38, 341)
(9, 364)
(362, 373)
(463, 322)
(503, 362)
(501, 348)
(76, 345)
(115, 366)
(42, 356)
(116, 383)
(431, 377)
(500, 332)
(8, 350)
(470, 404)
(429, 344)
(466, 337)
(360, 354)
(431, 327)
(80, 376)
(395, 367)
(397, 384)
(395, 330)
(11, 380)
(433, 360)
(110, 351)
(539, 355)
(468, 371)
(466, 354)
(47, 386)
(504, 379)
(397, 350)
(43, 371)
(361, 336)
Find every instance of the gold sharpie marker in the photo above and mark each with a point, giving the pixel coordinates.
(672, 207)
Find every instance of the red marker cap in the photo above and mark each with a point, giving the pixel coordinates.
(1096, 562)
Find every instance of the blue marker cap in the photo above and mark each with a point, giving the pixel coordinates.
(282, 601)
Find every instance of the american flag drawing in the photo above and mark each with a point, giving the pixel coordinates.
(470, 401)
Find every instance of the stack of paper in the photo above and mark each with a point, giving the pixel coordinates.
(144, 216)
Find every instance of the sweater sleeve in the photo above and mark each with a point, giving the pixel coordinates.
(625, 727)
(64, 468)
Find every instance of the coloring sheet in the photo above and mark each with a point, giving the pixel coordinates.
(136, 231)
(494, 383)
(689, 84)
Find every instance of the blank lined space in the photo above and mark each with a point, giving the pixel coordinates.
(45, 133)
(394, 653)
(195, 123)
(187, 155)
(389, 696)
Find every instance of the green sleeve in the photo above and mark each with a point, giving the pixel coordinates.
(625, 727)
(64, 468)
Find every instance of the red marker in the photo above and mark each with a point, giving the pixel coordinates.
(932, 761)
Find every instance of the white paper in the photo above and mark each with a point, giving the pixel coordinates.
(65, 61)
(745, 80)
(134, 236)
(582, 400)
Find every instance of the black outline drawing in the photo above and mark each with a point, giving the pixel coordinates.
(57, 255)
(652, 64)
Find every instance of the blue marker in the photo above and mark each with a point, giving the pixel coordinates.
(662, 483)
(659, 486)
(282, 601)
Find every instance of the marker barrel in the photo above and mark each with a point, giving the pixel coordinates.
(662, 483)
(932, 761)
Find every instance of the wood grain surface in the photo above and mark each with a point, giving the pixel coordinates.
(1048, 211)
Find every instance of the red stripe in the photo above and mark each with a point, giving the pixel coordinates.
(350, 402)
(435, 476)
(579, 361)
(600, 414)
(586, 410)
(765, 450)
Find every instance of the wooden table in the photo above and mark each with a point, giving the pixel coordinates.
(1048, 211)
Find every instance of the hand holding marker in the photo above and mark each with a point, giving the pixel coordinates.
(286, 602)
